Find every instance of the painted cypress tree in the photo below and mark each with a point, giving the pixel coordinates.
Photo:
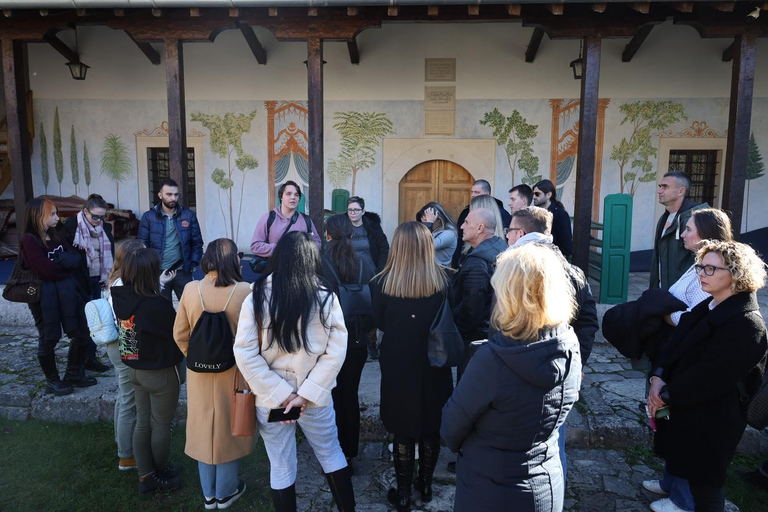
(73, 164)
(58, 156)
(86, 168)
(755, 169)
(44, 158)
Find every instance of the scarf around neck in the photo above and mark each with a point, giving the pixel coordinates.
(84, 240)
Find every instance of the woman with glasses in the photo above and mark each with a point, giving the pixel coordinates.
(705, 374)
(443, 229)
(89, 232)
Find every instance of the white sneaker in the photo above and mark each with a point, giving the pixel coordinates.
(655, 487)
(665, 505)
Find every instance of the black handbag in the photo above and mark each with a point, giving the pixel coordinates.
(445, 347)
(23, 285)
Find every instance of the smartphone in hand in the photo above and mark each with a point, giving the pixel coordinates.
(276, 415)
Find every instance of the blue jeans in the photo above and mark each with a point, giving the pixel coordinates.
(678, 489)
(561, 446)
(219, 480)
(125, 405)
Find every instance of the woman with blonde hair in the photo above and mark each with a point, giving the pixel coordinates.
(706, 373)
(504, 415)
(407, 295)
(209, 394)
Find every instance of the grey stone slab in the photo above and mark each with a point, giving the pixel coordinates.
(633, 374)
(14, 413)
(596, 378)
(66, 409)
(16, 395)
(619, 486)
(628, 389)
(605, 367)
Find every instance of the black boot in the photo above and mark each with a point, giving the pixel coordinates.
(340, 483)
(429, 452)
(284, 500)
(53, 384)
(75, 370)
(403, 455)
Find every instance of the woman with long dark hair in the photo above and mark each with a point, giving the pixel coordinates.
(406, 298)
(145, 333)
(443, 229)
(290, 345)
(342, 265)
(62, 303)
(209, 395)
(91, 235)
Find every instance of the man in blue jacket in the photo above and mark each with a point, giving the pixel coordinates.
(174, 233)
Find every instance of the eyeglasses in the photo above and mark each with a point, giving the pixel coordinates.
(354, 210)
(708, 270)
(96, 217)
(507, 230)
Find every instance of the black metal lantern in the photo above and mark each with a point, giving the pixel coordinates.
(78, 70)
(578, 68)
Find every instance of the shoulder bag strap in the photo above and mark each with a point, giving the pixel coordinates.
(230, 297)
(293, 221)
(360, 275)
(201, 295)
(333, 271)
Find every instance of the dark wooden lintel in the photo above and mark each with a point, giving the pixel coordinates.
(642, 7)
(58, 45)
(728, 53)
(354, 51)
(631, 49)
(147, 50)
(599, 7)
(533, 45)
(556, 9)
(253, 42)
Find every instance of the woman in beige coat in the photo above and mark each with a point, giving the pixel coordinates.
(209, 394)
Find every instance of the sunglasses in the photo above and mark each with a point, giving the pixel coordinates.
(96, 217)
(507, 230)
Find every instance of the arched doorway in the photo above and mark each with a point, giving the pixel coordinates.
(446, 182)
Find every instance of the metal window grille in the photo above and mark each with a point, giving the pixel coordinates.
(158, 164)
(701, 166)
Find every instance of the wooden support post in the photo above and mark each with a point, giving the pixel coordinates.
(585, 160)
(177, 115)
(16, 78)
(315, 130)
(533, 46)
(739, 122)
(631, 49)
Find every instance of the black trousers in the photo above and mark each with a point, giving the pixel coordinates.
(707, 498)
(47, 347)
(346, 402)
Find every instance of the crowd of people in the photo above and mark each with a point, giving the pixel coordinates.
(298, 338)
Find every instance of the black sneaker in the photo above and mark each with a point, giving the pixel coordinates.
(157, 481)
(95, 365)
(58, 387)
(170, 470)
(226, 502)
(81, 382)
(210, 503)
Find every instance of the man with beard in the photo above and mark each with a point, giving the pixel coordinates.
(174, 233)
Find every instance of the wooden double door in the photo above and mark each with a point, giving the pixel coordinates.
(446, 182)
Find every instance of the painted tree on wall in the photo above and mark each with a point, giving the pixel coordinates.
(755, 169)
(115, 162)
(515, 135)
(361, 134)
(86, 168)
(73, 163)
(635, 153)
(58, 156)
(44, 171)
(226, 139)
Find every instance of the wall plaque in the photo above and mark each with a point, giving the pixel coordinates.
(440, 70)
(440, 98)
(439, 122)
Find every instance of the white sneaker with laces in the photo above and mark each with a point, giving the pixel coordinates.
(655, 487)
(665, 505)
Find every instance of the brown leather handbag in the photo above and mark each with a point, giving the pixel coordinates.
(242, 412)
(23, 285)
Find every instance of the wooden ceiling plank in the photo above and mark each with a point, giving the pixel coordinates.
(533, 45)
(354, 51)
(637, 41)
(253, 42)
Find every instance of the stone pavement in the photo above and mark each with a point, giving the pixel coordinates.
(603, 429)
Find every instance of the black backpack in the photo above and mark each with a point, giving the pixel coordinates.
(211, 341)
(355, 298)
(259, 263)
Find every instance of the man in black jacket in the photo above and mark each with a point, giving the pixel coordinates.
(534, 224)
(479, 188)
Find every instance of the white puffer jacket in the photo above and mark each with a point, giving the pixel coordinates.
(273, 374)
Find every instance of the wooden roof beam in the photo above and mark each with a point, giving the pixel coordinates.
(61, 47)
(253, 42)
(723, 6)
(194, 12)
(473, 10)
(433, 10)
(637, 41)
(556, 9)
(533, 45)
(514, 9)
(352, 11)
(683, 6)
(642, 8)
(354, 51)
(599, 7)
(393, 10)
(147, 50)
(728, 53)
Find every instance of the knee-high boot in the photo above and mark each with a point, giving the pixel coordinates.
(75, 365)
(53, 383)
(340, 483)
(403, 455)
(284, 500)
(429, 452)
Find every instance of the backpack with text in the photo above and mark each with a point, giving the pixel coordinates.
(210, 343)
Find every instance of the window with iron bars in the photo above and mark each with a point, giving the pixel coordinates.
(701, 166)
(158, 164)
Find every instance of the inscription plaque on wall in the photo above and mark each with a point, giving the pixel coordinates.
(440, 98)
(439, 122)
(440, 70)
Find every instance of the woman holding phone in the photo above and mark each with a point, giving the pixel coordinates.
(290, 346)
